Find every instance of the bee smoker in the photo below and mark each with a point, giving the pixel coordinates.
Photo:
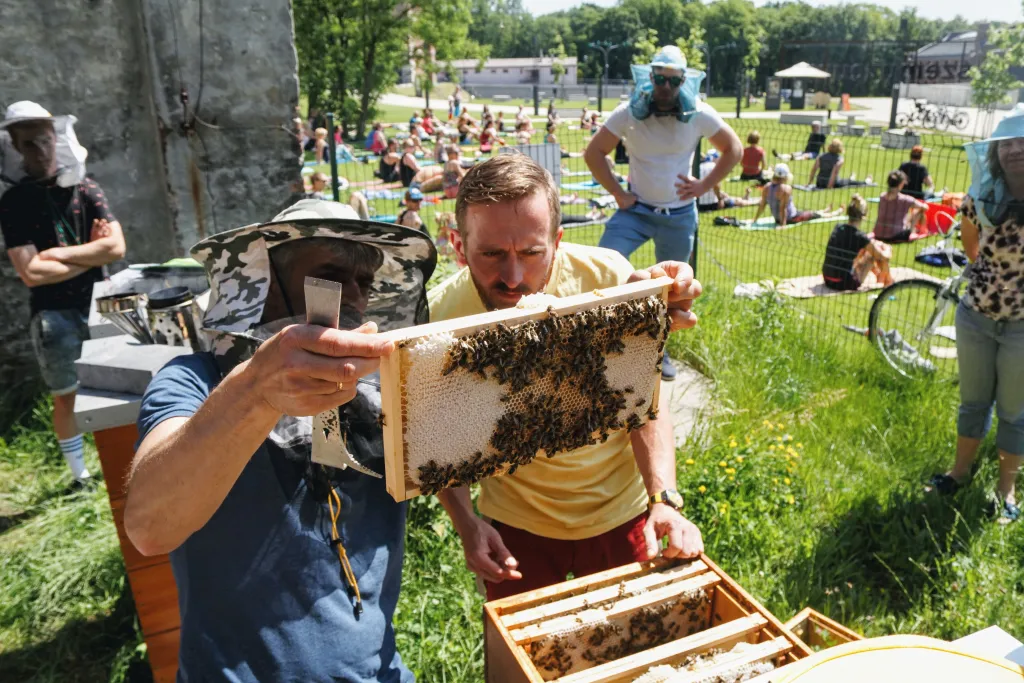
(175, 318)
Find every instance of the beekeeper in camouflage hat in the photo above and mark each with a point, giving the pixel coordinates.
(286, 569)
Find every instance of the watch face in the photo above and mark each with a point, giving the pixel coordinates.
(674, 499)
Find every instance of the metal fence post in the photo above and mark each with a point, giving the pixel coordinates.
(695, 172)
(895, 105)
(536, 100)
(334, 157)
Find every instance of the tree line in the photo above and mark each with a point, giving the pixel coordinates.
(352, 51)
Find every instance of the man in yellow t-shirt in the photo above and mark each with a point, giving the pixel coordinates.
(590, 509)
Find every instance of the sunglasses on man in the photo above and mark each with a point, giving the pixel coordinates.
(674, 81)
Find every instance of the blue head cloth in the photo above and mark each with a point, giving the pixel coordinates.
(990, 194)
(670, 56)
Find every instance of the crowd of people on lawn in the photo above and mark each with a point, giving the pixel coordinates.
(290, 570)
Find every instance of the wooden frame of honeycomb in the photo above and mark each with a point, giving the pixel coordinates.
(737, 630)
(510, 382)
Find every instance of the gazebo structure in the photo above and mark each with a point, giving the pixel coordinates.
(798, 73)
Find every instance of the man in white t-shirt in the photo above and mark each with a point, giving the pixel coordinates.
(659, 204)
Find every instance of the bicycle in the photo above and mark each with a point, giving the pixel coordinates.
(922, 115)
(913, 323)
(948, 117)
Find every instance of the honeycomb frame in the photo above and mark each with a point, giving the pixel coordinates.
(404, 466)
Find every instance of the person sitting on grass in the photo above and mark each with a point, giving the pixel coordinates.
(377, 142)
(595, 123)
(918, 178)
(320, 152)
(813, 148)
(584, 118)
(850, 254)
(430, 124)
(317, 185)
(409, 167)
(453, 172)
(900, 216)
(410, 218)
(440, 149)
(825, 172)
(523, 133)
(752, 163)
(389, 161)
(489, 137)
(716, 198)
(778, 196)
(499, 123)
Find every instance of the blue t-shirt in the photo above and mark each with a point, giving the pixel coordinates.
(260, 588)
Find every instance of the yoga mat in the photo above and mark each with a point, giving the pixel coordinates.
(382, 194)
(815, 188)
(385, 219)
(768, 223)
(811, 286)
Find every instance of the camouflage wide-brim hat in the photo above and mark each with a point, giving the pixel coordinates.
(237, 263)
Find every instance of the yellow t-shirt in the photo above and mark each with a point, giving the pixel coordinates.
(574, 495)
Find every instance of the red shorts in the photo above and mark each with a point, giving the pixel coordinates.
(546, 561)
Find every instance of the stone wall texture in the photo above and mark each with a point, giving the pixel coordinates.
(172, 175)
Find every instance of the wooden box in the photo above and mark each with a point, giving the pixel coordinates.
(818, 631)
(614, 626)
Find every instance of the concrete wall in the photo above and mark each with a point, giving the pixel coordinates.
(120, 66)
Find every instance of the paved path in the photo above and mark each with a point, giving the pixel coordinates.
(689, 400)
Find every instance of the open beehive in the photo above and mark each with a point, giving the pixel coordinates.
(482, 395)
(655, 622)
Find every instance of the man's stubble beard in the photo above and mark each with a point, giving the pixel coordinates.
(489, 305)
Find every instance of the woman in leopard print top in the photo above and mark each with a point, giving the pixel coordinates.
(990, 318)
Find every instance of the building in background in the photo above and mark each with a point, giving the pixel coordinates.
(511, 71)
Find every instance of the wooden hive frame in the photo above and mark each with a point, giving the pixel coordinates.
(398, 483)
(818, 631)
(511, 624)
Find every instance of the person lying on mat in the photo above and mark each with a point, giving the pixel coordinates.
(900, 216)
(716, 198)
(919, 181)
(589, 509)
(778, 196)
(825, 172)
(850, 254)
(815, 142)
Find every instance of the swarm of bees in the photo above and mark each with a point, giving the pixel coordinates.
(605, 641)
(557, 350)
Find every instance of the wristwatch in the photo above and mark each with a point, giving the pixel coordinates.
(669, 497)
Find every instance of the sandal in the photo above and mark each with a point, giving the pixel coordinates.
(1008, 513)
(943, 484)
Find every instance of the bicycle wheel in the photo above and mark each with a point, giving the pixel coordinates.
(960, 120)
(914, 330)
(902, 120)
(928, 118)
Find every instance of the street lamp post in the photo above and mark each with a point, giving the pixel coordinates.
(703, 47)
(606, 49)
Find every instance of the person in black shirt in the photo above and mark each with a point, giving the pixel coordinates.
(58, 239)
(851, 255)
(917, 174)
(815, 141)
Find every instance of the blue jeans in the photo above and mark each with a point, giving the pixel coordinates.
(991, 358)
(673, 233)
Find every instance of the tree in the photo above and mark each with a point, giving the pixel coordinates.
(441, 30)
(645, 46)
(991, 80)
(557, 55)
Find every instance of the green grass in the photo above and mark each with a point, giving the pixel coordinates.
(850, 533)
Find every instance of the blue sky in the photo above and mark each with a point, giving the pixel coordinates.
(1002, 10)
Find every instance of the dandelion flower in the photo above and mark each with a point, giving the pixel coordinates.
(702, 488)
(722, 463)
(739, 458)
(787, 481)
(790, 499)
(772, 447)
(775, 480)
(733, 444)
(799, 445)
(732, 478)
(689, 461)
(779, 438)
(723, 510)
(730, 470)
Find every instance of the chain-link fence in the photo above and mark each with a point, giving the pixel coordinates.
(739, 257)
